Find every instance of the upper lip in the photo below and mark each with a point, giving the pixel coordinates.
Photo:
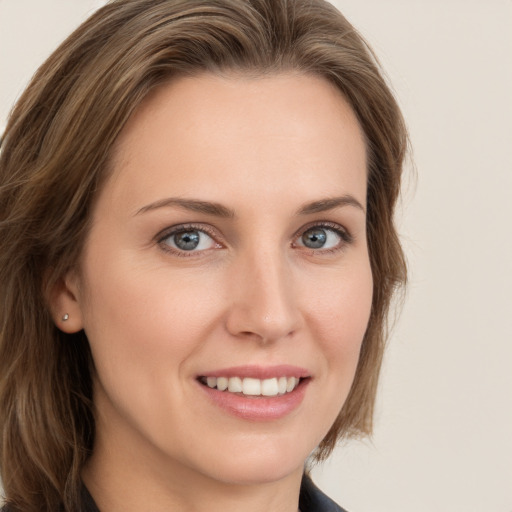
(259, 372)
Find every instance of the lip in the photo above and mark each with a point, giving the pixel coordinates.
(259, 372)
(258, 408)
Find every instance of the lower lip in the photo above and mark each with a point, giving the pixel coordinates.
(259, 408)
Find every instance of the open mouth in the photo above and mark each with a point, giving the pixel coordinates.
(250, 387)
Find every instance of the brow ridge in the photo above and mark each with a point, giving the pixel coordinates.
(330, 203)
(195, 205)
(219, 210)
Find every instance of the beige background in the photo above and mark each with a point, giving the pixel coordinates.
(443, 439)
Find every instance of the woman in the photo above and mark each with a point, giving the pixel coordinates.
(198, 257)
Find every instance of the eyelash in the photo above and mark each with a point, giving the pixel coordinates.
(345, 236)
(183, 228)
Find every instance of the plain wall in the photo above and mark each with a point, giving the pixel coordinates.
(443, 435)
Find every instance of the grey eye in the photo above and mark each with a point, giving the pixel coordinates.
(322, 237)
(314, 238)
(187, 240)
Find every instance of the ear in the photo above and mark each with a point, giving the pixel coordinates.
(63, 298)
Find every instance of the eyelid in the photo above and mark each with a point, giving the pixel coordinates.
(340, 230)
(180, 228)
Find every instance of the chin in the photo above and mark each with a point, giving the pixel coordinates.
(265, 463)
(248, 473)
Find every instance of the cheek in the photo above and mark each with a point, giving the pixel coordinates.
(144, 331)
(138, 315)
(338, 316)
(340, 311)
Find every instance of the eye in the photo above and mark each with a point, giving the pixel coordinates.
(187, 239)
(323, 237)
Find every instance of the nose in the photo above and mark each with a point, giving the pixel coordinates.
(263, 305)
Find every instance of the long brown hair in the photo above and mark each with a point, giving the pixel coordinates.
(54, 159)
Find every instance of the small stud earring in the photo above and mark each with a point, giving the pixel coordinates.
(65, 317)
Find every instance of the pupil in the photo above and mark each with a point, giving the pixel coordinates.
(314, 238)
(187, 241)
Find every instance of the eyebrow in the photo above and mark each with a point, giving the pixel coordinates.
(332, 203)
(218, 210)
(193, 205)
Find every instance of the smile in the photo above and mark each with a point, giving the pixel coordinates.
(256, 393)
(249, 386)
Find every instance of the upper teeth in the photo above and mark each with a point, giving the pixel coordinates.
(254, 387)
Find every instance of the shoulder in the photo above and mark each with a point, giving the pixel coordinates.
(312, 499)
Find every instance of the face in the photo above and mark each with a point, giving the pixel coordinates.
(227, 249)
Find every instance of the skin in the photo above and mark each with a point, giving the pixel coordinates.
(253, 293)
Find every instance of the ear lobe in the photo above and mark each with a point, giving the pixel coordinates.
(64, 304)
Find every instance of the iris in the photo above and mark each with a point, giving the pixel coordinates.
(187, 240)
(314, 238)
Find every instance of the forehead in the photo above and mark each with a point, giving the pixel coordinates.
(238, 132)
